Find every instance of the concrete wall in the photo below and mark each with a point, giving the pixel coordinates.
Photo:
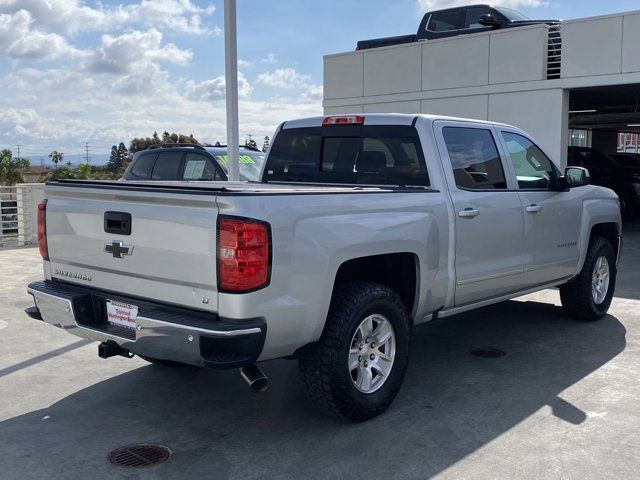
(497, 75)
(481, 59)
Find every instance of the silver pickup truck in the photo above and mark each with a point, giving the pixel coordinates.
(363, 226)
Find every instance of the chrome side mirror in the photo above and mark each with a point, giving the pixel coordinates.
(576, 177)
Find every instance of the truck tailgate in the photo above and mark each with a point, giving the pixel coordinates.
(172, 242)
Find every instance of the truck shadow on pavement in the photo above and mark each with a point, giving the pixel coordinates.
(451, 404)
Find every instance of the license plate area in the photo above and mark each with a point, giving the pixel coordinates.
(121, 315)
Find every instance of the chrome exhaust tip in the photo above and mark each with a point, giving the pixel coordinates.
(255, 378)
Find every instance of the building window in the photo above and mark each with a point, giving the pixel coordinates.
(579, 138)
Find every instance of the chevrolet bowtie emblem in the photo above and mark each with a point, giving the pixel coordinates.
(118, 249)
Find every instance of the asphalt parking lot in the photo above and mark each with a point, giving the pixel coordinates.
(563, 403)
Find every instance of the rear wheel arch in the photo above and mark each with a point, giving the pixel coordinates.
(398, 271)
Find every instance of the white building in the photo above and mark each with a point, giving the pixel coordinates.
(507, 76)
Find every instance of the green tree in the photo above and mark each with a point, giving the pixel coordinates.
(142, 143)
(119, 157)
(56, 157)
(112, 164)
(83, 172)
(11, 168)
(59, 173)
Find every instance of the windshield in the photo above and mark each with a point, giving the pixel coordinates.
(512, 15)
(250, 164)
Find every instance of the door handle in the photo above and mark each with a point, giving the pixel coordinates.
(469, 213)
(117, 222)
(534, 208)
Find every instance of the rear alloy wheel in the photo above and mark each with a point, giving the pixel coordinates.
(373, 348)
(357, 367)
(589, 295)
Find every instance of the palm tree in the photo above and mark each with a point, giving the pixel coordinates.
(56, 157)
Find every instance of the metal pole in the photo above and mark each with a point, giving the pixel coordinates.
(231, 78)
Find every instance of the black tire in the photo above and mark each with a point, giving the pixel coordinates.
(576, 296)
(165, 363)
(323, 365)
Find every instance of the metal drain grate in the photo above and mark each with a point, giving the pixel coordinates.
(141, 455)
(488, 352)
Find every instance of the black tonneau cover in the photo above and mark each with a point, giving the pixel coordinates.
(231, 188)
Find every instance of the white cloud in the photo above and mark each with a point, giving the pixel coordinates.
(427, 5)
(214, 89)
(135, 51)
(119, 87)
(72, 16)
(179, 15)
(312, 94)
(287, 78)
(63, 107)
(18, 40)
(245, 63)
(62, 16)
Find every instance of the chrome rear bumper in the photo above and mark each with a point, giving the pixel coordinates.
(162, 332)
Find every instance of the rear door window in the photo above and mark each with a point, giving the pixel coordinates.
(141, 167)
(474, 158)
(199, 167)
(167, 167)
(372, 155)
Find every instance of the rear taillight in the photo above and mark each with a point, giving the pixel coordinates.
(42, 229)
(244, 254)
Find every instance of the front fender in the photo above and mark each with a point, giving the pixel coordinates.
(596, 211)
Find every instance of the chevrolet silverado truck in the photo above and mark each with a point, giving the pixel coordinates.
(456, 21)
(363, 227)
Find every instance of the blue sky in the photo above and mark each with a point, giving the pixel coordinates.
(102, 72)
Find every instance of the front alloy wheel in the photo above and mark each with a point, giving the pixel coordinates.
(600, 280)
(588, 296)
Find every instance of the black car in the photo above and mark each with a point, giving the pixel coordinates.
(608, 172)
(189, 162)
(626, 160)
(459, 21)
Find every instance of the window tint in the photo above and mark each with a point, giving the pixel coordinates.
(250, 164)
(533, 168)
(374, 155)
(141, 167)
(167, 166)
(199, 167)
(473, 14)
(446, 21)
(474, 158)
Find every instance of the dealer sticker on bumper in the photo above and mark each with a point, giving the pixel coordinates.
(122, 314)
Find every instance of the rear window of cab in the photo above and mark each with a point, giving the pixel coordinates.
(362, 155)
